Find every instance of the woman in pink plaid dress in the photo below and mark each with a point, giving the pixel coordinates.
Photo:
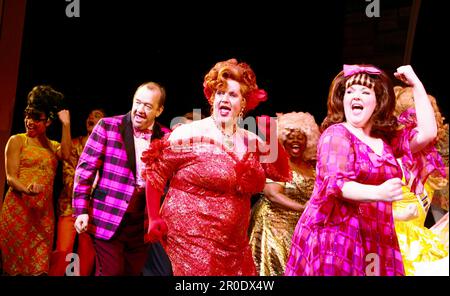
(348, 228)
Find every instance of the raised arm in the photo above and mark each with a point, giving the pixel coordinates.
(66, 141)
(426, 121)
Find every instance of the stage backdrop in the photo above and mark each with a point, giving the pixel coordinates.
(12, 14)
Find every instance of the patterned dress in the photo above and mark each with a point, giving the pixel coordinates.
(272, 226)
(441, 195)
(207, 206)
(338, 236)
(27, 222)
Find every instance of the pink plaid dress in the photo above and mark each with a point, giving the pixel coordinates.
(337, 236)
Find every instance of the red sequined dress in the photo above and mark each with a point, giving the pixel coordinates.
(207, 206)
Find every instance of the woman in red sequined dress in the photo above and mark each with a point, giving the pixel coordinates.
(214, 167)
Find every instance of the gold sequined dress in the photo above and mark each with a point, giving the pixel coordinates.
(272, 226)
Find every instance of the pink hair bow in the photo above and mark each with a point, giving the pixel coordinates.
(350, 70)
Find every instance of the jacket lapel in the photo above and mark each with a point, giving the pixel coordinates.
(157, 133)
(126, 131)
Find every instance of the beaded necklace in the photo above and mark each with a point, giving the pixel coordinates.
(228, 139)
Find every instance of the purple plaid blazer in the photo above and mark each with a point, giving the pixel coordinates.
(110, 152)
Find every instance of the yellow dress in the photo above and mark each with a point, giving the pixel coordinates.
(441, 230)
(272, 227)
(438, 267)
(418, 244)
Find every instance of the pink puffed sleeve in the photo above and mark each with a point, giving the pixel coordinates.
(336, 159)
(335, 166)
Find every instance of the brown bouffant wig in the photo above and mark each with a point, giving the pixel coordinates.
(216, 79)
(44, 99)
(384, 122)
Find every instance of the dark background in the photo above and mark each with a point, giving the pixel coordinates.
(295, 49)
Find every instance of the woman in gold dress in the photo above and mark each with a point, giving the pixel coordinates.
(276, 214)
(419, 245)
(31, 159)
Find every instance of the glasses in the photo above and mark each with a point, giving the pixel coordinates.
(35, 116)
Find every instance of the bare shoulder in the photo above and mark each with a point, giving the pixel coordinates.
(17, 140)
(15, 143)
(189, 130)
(180, 132)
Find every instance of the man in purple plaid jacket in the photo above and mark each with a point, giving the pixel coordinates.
(109, 193)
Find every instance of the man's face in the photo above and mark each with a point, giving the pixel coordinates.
(145, 107)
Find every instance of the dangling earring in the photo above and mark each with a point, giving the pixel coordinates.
(240, 118)
(241, 114)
